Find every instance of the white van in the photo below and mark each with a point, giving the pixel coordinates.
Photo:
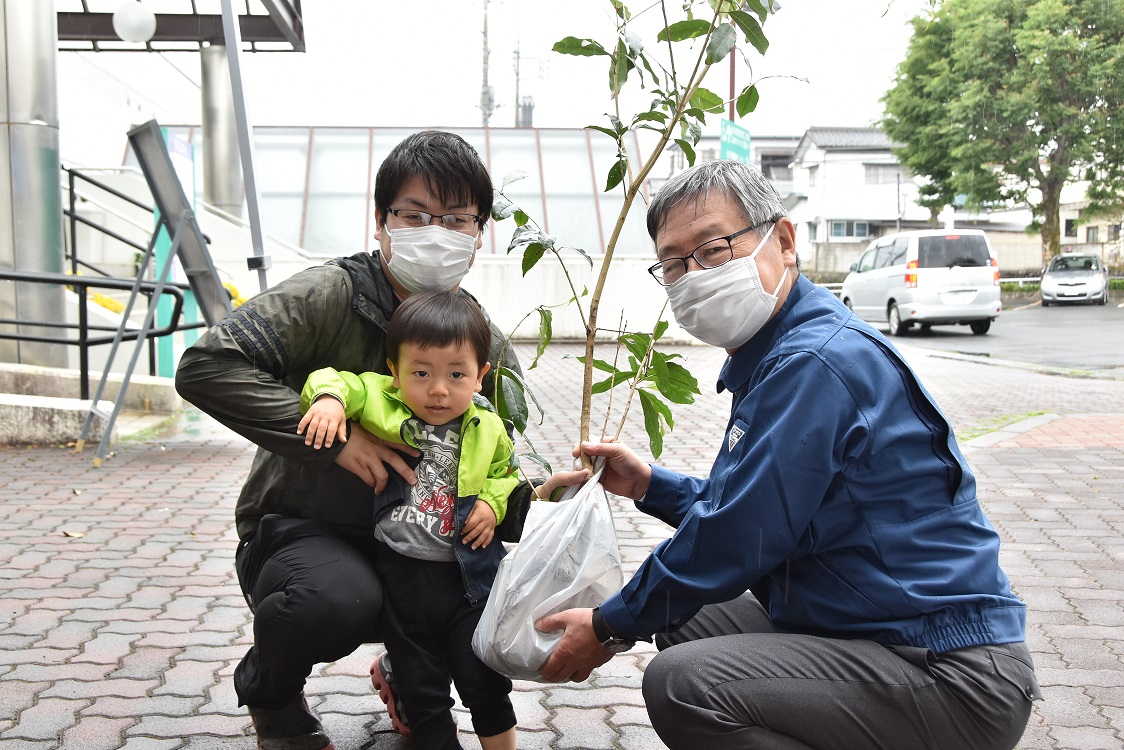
(928, 277)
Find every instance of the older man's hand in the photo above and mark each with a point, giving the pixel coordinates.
(578, 653)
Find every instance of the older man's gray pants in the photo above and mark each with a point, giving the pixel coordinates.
(727, 679)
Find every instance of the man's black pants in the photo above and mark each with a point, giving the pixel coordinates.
(728, 680)
(315, 597)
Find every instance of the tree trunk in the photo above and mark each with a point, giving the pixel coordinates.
(1051, 221)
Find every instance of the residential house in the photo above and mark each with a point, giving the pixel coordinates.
(848, 188)
(1083, 232)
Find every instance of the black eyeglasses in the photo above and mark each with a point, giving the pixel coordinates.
(710, 254)
(456, 222)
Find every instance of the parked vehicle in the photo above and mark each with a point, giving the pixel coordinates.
(1075, 278)
(927, 277)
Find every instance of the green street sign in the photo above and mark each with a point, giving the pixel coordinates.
(734, 142)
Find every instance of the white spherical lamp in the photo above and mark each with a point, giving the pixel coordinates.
(134, 22)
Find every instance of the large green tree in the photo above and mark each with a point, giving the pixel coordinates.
(1007, 101)
(916, 113)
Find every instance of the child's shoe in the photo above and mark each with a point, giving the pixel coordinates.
(382, 677)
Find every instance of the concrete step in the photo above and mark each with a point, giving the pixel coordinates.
(40, 406)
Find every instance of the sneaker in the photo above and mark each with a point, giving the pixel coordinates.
(291, 727)
(382, 677)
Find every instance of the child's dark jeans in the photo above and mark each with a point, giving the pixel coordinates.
(428, 625)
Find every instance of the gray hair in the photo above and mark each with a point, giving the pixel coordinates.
(758, 200)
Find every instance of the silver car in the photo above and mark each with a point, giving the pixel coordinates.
(926, 278)
(1075, 278)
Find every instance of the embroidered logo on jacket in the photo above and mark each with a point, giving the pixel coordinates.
(735, 435)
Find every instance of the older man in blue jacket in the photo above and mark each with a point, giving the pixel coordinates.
(833, 583)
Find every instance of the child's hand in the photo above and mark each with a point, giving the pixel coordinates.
(325, 421)
(480, 526)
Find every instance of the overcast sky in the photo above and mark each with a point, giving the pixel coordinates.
(398, 62)
(403, 63)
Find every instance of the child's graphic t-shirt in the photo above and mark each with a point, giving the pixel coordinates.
(422, 527)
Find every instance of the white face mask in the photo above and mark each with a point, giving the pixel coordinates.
(430, 258)
(724, 306)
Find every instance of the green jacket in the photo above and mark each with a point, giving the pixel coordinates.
(248, 371)
(484, 466)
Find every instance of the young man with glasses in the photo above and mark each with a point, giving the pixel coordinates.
(305, 561)
(833, 582)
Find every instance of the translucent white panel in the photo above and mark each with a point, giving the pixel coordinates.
(281, 216)
(336, 223)
(634, 238)
(281, 160)
(571, 204)
(514, 150)
(339, 161)
(338, 191)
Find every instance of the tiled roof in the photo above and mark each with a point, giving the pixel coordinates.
(848, 138)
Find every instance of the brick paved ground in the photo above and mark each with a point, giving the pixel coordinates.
(121, 621)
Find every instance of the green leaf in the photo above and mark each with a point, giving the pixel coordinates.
(660, 375)
(524, 235)
(513, 176)
(688, 151)
(598, 364)
(682, 385)
(588, 260)
(502, 208)
(757, 7)
(694, 131)
(604, 130)
(616, 174)
(681, 30)
(650, 115)
(661, 407)
(511, 403)
(754, 34)
(655, 412)
(661, 327)
(532, 254)
(521, 218)
(537, 459)
(706, 100)
(747, 100)
(514, 387)
(571, 45)
(612, 381)
(618, 69)
(648, 67)
(546, 332)
(637, 344)
(721, 42)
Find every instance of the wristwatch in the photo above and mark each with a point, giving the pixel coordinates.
(609, 642)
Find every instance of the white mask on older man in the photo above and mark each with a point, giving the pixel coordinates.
(724, 306)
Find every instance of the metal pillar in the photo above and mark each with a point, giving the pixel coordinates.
(31, 237)
(222, 172)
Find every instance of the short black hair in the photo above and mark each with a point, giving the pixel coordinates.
(429, 319)
(451, 168)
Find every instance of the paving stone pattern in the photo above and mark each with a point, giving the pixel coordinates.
(121, 619)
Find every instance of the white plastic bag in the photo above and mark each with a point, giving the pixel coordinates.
(569, 560)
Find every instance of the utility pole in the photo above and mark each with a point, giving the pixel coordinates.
(518, 119)
(487, 95)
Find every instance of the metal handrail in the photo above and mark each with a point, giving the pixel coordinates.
(82, 285)
(84, 341)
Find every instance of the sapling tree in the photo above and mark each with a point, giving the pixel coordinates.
(701, 34)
